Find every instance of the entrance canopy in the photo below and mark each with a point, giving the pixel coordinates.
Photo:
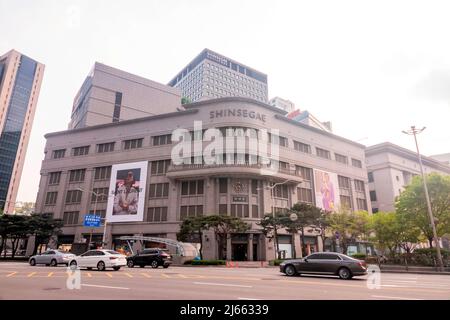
(184, 249)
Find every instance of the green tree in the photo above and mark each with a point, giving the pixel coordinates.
(43, 227)
(270, 225)
(411, 204)
(191, 228)
(18, 230)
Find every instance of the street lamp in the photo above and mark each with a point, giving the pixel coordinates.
(96, 194)
(414, 131)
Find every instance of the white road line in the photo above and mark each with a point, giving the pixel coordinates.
(222, 284)
(106, 287)
(240, 298)
(390, 297)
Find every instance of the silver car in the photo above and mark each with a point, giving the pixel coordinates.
(51, 258)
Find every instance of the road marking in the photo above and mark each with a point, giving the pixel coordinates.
(89, 275)
(109, 274)
(128, 275)
(182, 276)
(11, 274)
(165, 276)
(240, 298)
(222, 284)
(31, 274)
(106, 287)
(50, 274)
(390, 297)
(146, 275)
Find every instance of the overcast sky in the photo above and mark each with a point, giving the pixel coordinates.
(373, 68)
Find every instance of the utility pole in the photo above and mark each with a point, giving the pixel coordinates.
(414, 131)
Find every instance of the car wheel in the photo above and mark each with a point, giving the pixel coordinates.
(32, 262)
(130, 264)
(165, 266)
(344, 273)
(289, 270)
(54, 263)
(73, 264)
(89, 268)
(154, 264)
(116, 268)
(101, 266)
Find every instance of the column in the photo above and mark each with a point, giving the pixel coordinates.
(228, 246)
(250, 247)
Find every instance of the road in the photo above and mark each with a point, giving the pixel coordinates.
(21, 281)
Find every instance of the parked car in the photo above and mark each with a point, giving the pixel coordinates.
(150, 257)
(100, 259)
(327, 263)
(51, 258)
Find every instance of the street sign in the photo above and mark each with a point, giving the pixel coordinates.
(91, 220)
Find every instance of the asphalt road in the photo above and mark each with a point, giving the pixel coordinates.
(21, 281)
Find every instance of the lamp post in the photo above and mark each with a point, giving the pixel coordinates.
(414, 131)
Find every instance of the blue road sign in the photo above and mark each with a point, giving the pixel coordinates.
(91, 220)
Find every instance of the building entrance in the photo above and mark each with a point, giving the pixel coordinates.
(239, 252)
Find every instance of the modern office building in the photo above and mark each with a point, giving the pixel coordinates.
(89, 169)
(20, 82)
(211, 75)
(111, 95)
(282, 104)
(390, 169)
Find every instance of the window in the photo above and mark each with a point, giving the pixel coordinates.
(223, 209)
(133, 144)
(77, 175)
(159, 167)
(254, 186)
(356, 163)
(344, 182)
(73, 196)
(159, 190)
(302, 147)
(373, 196)
(278, 210)
(57, 154)
(102, 173)
(370, 176)
(283, 165)
(156, 214)
(323, 153)
(80, 151)
(304, 195)
(359, 186)
(162, 140)
(105, 147)
(397, 178)
(102, 194)
(346, 202)
(280, 191)
(239, 210)
(305, 173)
(341, 158)
(282, 141)
(50, 198)
(70, 217)
(223, 185)
(255, 213)
(193, 187)
(190, 211)
(374, 210)
(54, 177)
(362, 204)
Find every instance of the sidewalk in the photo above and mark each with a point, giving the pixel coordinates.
(413, 269)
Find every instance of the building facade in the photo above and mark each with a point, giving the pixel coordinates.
(111, 95)
(282, 104)
(390, 169)
(20, 82)
(142, 150)
(211, 75)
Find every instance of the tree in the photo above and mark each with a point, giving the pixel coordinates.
(19, 229)
(270, 225)
(307, 215)
(193, 226)
(385, 226)
(43, 227)
(411, 204)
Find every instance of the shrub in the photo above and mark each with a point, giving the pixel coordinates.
(428, 256)
(275, 262)
(206, 262)
(360, 256)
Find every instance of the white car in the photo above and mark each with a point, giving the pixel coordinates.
(100, 259)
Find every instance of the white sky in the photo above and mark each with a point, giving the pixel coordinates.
(373, 68)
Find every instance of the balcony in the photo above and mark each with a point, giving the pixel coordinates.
(232, 169)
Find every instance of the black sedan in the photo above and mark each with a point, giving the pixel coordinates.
(327, 263)
(150, 257)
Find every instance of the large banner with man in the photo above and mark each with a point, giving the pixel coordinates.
(127, 192)
(326, 190)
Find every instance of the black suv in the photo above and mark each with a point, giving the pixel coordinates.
(150, 257)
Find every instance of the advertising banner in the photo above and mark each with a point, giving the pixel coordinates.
(127, 192)
(326, 190)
